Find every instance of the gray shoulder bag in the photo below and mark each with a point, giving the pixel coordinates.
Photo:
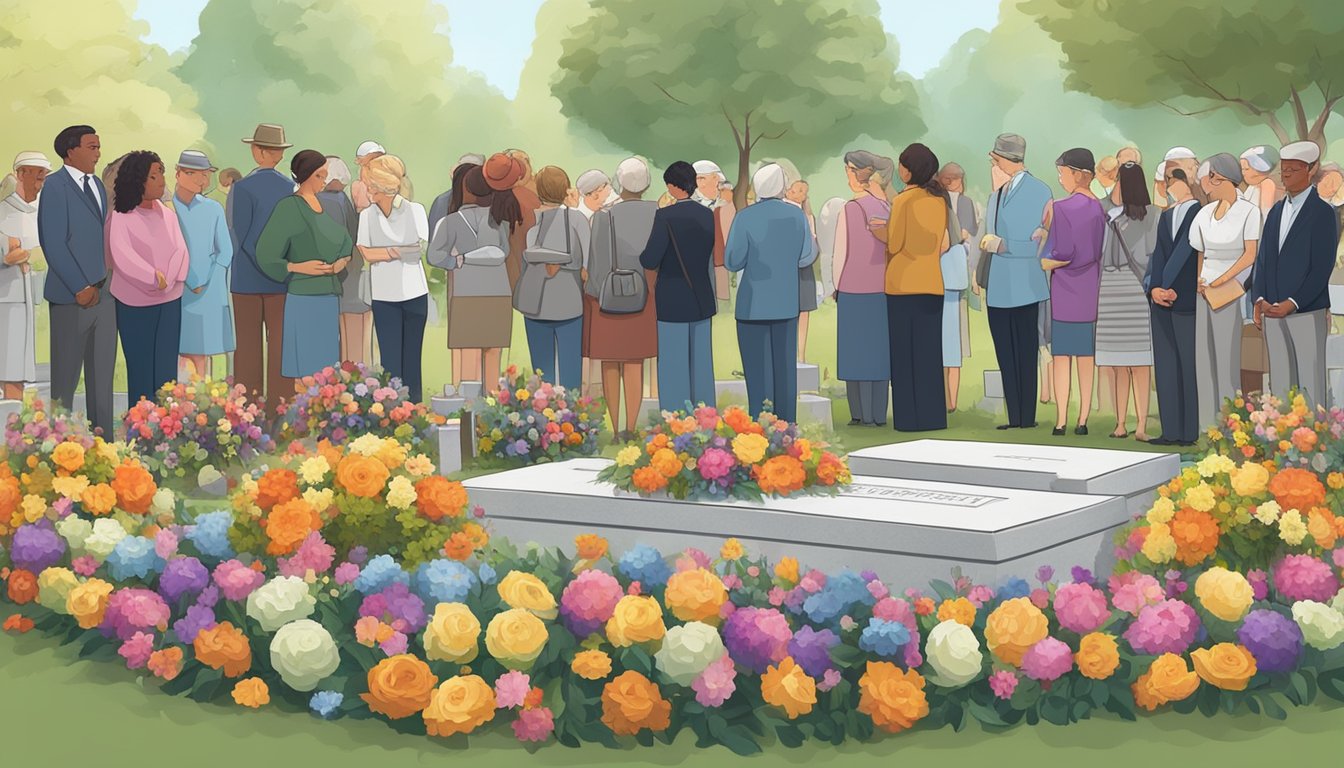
(624, 291)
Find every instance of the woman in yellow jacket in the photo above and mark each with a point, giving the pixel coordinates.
(916, 235)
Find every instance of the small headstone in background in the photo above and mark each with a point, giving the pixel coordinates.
(993, 400)
(648, 410)
(809, 378)
(470, 390)
(7, 407)
(211, 482)
(815, 409)
(449, 436)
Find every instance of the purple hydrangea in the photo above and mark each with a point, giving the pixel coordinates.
(1170, 626)
(811, 650)
(197, 619)
(36, 547)
(183, 577)
(757, 637)
(1273, 639)
(397, 606)
(589, 601)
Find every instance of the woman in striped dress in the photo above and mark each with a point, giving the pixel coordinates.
(1124, 337)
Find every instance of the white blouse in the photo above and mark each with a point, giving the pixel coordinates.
(406, 229)
(1223, 241)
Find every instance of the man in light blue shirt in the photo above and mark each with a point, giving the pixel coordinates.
(768, 243)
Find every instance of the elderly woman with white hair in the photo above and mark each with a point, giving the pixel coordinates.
(1259, 167)
(356, 311)
(1225, 235)
(769, 242)
(594, 188)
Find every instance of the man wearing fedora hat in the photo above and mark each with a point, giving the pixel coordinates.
(258, 301)
(207, 325)
(18, 236)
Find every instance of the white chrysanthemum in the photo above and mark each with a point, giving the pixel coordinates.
(400, 493)
(303, 652)
(280, 601)
(953, 651)
(1322, 626)
(106, 533)
(1268, 513)
(75, 530)
(314, 470)
(164, 502)
(366, 445)
(687, 650)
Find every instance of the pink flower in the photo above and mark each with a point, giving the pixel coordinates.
(707, 418)
(1003, 683)
(394, 645)
(715, 464)
(878, 590)
(829, 680)
(165, 543)
(236, 581)
(62, 506)
(1081, 608)
(1259, 583)
(895, 609)
(534, 724)
(84, 566)
(346, 573)
(314, 554)
(1050, 659)
(716, 684)
(1131, 591)
(731, 581)
(366, 630)
(1338, 555)
(1167, 627)
(699, 557)
(511, 689)
(1304, 577)
(979, 595)
(136, 651)
(685, 564)
(634, 589)
(1039, 598)
(847, 623)
(776, 597)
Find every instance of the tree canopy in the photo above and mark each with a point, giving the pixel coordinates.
(725, 79)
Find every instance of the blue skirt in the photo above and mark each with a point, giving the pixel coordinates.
(862, 351)
(1073, 339)
(312, 335)
(951, 329)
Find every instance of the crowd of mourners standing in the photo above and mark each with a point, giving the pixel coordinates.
(300, 264)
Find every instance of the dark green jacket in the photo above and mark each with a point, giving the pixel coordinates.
(296, 233)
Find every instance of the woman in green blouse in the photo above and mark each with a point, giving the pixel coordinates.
(308, 250)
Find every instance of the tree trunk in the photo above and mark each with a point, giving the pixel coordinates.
(743, 177)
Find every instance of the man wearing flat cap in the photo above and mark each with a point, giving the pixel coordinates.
(1010, 273)
(18, 238)
(1292, 276)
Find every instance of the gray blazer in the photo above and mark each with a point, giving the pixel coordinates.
(559, 297)
(632, 234)
(70, 228)
(460, 233)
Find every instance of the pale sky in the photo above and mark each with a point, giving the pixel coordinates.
(925, 30)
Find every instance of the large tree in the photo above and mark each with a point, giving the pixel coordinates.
(59, 68)
(736, 78)
(1274, 62)
(335, 73)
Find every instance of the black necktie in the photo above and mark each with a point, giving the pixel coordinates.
(93, 197)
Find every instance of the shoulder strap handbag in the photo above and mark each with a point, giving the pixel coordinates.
(684, 273)
(538, 253)
(623, 291)
(1129, 257)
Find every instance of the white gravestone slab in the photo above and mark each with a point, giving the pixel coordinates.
(471, 390)
(733, 389)
(1131, 474)
(809, 378)
(450, 446)
(908, 531)
(446, 405)
(815, 409)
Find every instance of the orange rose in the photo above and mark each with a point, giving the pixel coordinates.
(10, 496)
(893, 698)
(458, 547)
(1013, 627)
(437, 497)
(1226, 665)
(631, 702)
(135, 487)
(666, 462)
(288, 524)
(69, 456)
(788, 687)
(98, 499)
(167, 663)
(1322, 525)
(737, 419)
(831, 469)
(1167, 680)
(695, 595)
(252, 692)
(400, 686)
(223, 646)
(590, 546)
(649, 480)
(363, 476)
(1196, 535)
(781, 475)
(22, 586)
(1098, 656)
(276, 487)
(1298, 489)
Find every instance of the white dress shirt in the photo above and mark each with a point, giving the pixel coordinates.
(79, 177)
(1178, 215)
(405, 230)
(1291, 207)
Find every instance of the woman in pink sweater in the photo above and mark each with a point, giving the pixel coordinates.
(147, 261)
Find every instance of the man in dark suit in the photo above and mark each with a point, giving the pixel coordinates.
(1172, 282)
(83, 333)
(681, 251)
(1292, 278)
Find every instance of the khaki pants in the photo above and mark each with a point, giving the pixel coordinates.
(250, 312)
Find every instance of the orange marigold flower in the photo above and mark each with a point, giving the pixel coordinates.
(400, 686)
(631, 702)
(658, 442)
(276, 487)
(893, 698)
(22, 588)
(362, 476)
(737, 419)
(1298, 489)
(329, 452)
(10, 497)
(223, 646)
(135, 487)
(458, 547)
(533, 698)
(476, 534)
(590, 546)
(832, 469)
(649, 480)
(252, 692)
(166, 664)
(1196, 535)
(17, 622)
(437, 497)
(288, 524)
(98, 499)
(69, 456)
(781, 475)
(1321, 524)
(666, 462)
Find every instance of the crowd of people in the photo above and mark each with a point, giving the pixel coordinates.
(292, 272)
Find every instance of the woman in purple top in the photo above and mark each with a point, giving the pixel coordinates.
(860, 266)
(1073, 257)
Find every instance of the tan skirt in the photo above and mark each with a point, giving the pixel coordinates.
(480, 322)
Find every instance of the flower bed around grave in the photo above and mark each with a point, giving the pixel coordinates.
(527, 420)
(342, 402)
(332, 582)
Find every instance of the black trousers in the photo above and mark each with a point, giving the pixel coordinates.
(1017, 345)
(915, 333)
(1174, 367)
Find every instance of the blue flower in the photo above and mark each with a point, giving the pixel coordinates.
(1014, 587)
(486, 574)
(443, 581)
(380, 573)
(210, 535)
(645, 565)
(134, 557)
(326, 704)
(842, 593)
(884, 638)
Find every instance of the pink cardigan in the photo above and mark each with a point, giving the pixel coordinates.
(140, 243)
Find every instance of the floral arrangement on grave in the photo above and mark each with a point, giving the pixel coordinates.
(708, 455)
(372, 492)
(528, 420)
(198, 432)
(340, 403)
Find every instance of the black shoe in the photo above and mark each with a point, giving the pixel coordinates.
(855, 422)
(1057, 431)
(1162, 441)
(880, 424)
(1032, 425)
(1081, 430)
(1007, 426)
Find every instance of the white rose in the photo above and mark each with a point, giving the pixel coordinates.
(687, 650)
(164, 503)
(1322, 626)
(400, 493)
(280, 601)
(954, 653)
(75, 530)
(106, 533)
(304, 653)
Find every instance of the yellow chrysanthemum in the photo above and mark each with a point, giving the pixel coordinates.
(314, 470)
(1158, 545)
(1292, 528)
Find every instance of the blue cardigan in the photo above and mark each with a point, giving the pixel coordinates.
(1301, 270)
(768, 243)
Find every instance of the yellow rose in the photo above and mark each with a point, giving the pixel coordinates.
(452, 634)
(69, 456)
(1250, 479)
(34, 508)
(695, 595)
(1225, 665)
(732, 550)
(788, 687)
(1167, 680)
(959, 610)
(88, 602)
(636, 620)
(515, 638)
(786, 570)
(1013, 628)
(750, 448)
(53, 588)
(1162, 512)
(1225, 594)
(70, 487)
(1158, 545)
(628, 456)
(525, 591)
(1200, 498)
(1098, 656)
(1292, 529)
(460, 704)
(591, 665)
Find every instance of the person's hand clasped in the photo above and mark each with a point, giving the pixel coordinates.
(160, 281)
(87, 297)
(552, 270)
(340, 264)
(1040, 234)
(313, 268)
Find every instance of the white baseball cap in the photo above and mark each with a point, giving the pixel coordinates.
(705, 167)
(1179, 153)
(368, 148)
(31, 159)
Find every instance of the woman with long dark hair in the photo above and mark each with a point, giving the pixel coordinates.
(917, 234)
(148, 259)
